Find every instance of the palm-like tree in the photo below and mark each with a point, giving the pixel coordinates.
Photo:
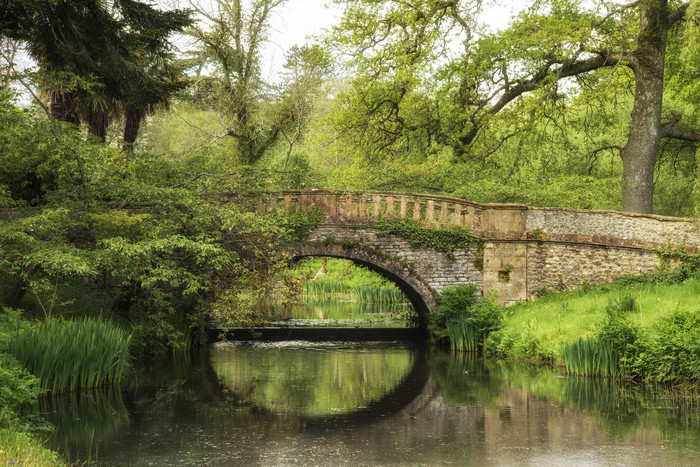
(96, 56)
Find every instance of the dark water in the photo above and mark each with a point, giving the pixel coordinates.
(334, 404)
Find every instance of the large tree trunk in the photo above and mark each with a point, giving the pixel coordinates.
(97, 126)
(132, 122)
(639, 154)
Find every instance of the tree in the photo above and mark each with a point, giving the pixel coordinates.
(306, 68)
(105, 47)
(230, 41)
(413, 89)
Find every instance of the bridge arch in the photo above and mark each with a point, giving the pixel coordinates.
(420, 294)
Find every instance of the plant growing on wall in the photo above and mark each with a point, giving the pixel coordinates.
(444, 239)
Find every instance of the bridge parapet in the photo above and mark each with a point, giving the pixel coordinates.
(525, 249)
(368, 208)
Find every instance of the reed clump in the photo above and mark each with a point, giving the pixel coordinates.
(67, 355)
(464, 319)
(373, 294)
(614, 347)
(591, 357)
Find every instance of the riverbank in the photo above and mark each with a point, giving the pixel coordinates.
(652, 326)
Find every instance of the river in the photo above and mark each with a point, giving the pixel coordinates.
(367, 404)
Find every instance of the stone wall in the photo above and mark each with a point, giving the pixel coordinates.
(559, 265)
(611, 228)
(432, 266)
(525, 249)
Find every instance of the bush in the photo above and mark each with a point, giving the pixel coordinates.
(671, 354)
(465, 319)
(18, 391)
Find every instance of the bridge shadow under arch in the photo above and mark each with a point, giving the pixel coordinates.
(419, 293)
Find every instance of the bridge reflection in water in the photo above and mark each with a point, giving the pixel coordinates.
(370, 405)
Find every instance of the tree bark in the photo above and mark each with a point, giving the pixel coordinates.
(97, 126)
(62, 107)
(639, 154)
(133, 116)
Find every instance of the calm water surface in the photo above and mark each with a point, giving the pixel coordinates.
(365, 404)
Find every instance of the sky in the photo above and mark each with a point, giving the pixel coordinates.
(297, 20)
(293, 24)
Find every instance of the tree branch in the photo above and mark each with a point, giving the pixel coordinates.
(677, 133)
(678, 13)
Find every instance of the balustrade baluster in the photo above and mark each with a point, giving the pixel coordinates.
(443, 214)
(457, 215)
(364, 207)
(416, 209)
(377, 207)
(430, 213)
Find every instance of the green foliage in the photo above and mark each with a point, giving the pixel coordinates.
(464, 318)
(445, 240)
(301, 223)
(670, 352)
(68, 355)
(18, 391)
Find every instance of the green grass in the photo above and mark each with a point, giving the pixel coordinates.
(541, 329)
(21, 449)
(67, 355)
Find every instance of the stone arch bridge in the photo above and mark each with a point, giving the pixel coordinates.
(523, 249)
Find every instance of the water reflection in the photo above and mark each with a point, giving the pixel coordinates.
(275, 405)
(315, 381)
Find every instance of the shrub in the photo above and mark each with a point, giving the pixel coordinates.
(18, 390)
(465, 319)
(67, 355)
(671, 354)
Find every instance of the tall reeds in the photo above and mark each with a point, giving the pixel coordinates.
(463, 336)
(67, 355)
(591, 357)
(359, 293)
(372, 294)
(326, 286)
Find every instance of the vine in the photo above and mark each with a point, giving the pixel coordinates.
(300, 224)
(445, 240)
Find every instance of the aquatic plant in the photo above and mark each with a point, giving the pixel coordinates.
(67, 355)
(591, 357)
(382, 294)
(465, 319)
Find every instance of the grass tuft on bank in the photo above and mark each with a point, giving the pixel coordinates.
(21, 449)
